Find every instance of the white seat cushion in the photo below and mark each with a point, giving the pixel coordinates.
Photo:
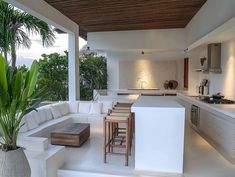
(84, 107)
(96, 108)
(55, 109)
(106, 106)
(73, 106)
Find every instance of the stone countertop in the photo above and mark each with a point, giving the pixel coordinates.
(156, 102)
(217, 109)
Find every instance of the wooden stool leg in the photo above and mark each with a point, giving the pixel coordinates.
(113, 133)
(109, 136)
(130, 134)
(127, 144)
(105, 141)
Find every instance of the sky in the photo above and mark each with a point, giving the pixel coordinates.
(26, 56)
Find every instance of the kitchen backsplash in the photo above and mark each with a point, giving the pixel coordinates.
(224, 82)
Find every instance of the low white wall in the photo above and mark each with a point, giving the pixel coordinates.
(225, 82)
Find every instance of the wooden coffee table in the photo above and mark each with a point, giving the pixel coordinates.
(71, 135)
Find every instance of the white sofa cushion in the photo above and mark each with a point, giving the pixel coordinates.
(48, 112)
(32, 120)
(73, 106)
(64, 108)
(84, 107)
(96, 108)
(42, 113)
(55, 109)
(106, 106)
(23, 125)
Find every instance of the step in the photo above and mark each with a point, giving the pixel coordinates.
(71, 173)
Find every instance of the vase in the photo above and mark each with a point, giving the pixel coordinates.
(14, 164)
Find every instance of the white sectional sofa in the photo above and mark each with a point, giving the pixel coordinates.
(34, 136)
(37, 125)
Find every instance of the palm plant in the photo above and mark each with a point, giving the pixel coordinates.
(15, 28)
(17, 98)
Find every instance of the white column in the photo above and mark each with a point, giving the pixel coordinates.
(74, 84)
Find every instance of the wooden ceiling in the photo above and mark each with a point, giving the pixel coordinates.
(115, 15)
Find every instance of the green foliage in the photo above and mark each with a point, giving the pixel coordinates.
(53, 73)
(93, 75)
(15, 28)
(18, 96)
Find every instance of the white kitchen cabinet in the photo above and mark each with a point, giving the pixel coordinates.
(219, 131)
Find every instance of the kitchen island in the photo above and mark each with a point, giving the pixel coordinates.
(159, 134)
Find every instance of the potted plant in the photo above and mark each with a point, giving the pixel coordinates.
(18, 97)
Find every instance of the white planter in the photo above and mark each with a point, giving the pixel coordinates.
(14, 164)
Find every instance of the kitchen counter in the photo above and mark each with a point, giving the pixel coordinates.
(159, 134)
(219, 109)
(216, 124)
(152, 102)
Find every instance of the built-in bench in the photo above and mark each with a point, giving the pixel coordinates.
(37, 126)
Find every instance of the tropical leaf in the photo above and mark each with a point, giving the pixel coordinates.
(33, 78)
(3, 79)
(17, 84)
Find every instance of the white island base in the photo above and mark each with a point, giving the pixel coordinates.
(159, 134)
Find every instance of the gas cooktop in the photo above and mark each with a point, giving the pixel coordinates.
(211, 100)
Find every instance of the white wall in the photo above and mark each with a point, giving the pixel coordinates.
(115, 58)
(212, 14)
(158, 40)
(113, 72)
(146, 73)
(164, 44)
(225, 82)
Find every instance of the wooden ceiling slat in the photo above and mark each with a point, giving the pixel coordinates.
(114, 15)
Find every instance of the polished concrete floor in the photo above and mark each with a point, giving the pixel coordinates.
(200, 159)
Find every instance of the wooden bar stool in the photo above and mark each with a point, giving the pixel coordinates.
(125, 111)
(114, 139)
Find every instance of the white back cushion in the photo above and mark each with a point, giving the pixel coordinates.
(106, 106)
(32, 120)
(84, 107)
(47, 109)
(24, 126)
(55, 109)
(64, 108)
(96, 108)
(73, 106)
(42, 113)
(36, 117)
